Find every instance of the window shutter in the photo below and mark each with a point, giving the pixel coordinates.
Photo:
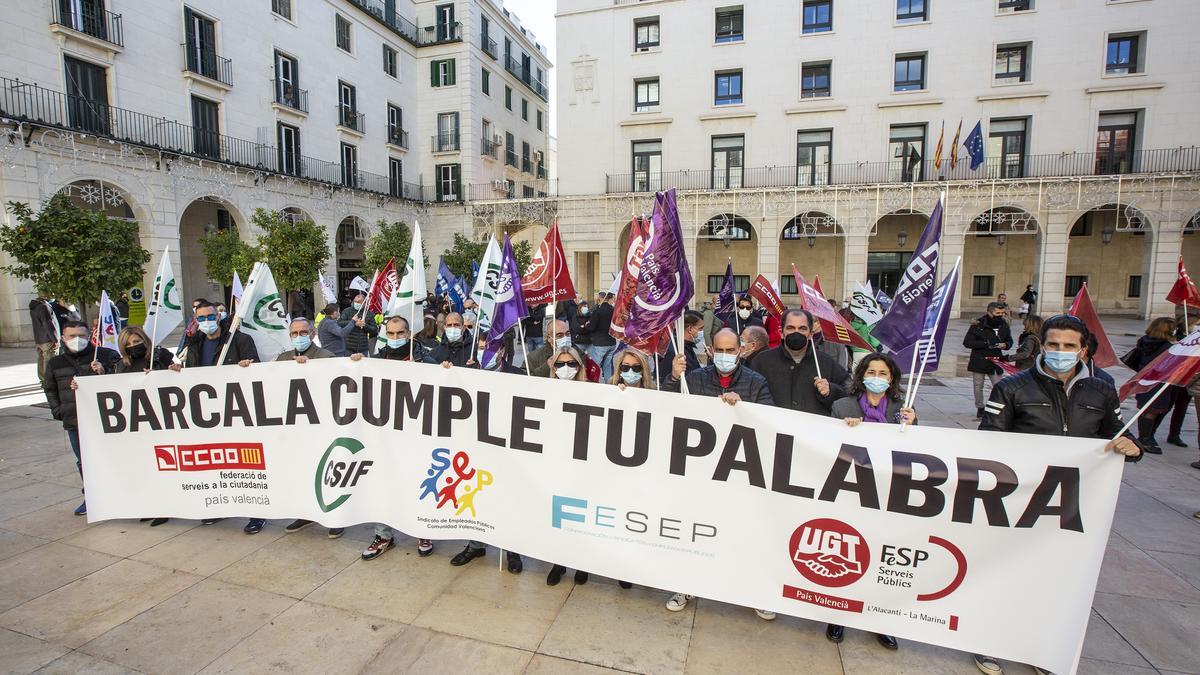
(433, 73)
(452, 71)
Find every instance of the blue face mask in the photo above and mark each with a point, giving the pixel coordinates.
(725, 363)
(208, 327)
(631, 376)
(1060, 362)
(699, 337)
(564, 341)
(453, 334)
(301, 342)
(397, 343)
(492, 362)
(876, 385)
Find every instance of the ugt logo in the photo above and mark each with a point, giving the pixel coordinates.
(829, 552)
(457, 489)
(339, 472)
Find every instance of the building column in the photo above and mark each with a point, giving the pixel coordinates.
(768, 248)
(1161, 269)
(855, 255)
(1052, 263)
(951, 249)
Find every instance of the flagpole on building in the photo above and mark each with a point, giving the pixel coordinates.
(1136, 415)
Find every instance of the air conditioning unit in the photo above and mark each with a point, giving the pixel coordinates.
(498, 140)
(537, 156)
(498, 185)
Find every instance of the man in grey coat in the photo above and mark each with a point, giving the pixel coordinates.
(331, 333)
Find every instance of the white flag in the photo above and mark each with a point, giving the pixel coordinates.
(108, 324)
(263, 315)
(237, 286)
(327, 288)
(482, 294)
(360, 284)
(864, 305)
(412, 287)
(166, 308)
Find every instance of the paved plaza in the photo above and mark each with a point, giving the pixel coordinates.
(121, 596)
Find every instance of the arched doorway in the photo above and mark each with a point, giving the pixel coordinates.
(890, 248)
(207, 215)
(1000, 255)
(98, 195)
(815, 243)
(349, 243)
(114, 202)
(722, 237)
(1109, 248)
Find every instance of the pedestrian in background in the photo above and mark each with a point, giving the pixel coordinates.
(988, 336)
(1160, 335)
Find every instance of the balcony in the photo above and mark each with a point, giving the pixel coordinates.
(488, 149)
(349, 118)
(510, 157)
(501, 189)
(89, 19)
(445, 142)
(521, 73)
(287, 94)
(1167, 160)
(441, 33)
(398, 137)
(526, 165)
(207, 63)
(488, 45)
(385, 13)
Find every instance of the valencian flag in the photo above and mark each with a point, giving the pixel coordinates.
(548, 279)
(1083, 309)
(725, 299)
(901, 326)
(664, 280)
(762, 291)
(487, 281)
(937, 154)
(954, 146)
(383, 284)
(1179, 365)
(833, 326)
(624, 286)
(510, 305)
(933, 332)
(1184, 292)
(450, 285)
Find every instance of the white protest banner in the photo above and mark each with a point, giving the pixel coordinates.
(980, 541)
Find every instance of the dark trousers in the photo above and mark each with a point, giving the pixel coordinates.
(1180, 402)
(73, 439)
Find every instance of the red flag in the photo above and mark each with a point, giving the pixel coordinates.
(762, 291)
(382, 286)
(547, 274)
(627, 283)
(1184, 292)
(1083, 309)
(833, 326)
(1008, 368)
(817, 285)
(1178, 365)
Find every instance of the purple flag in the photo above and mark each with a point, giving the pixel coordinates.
(933, 332)
(885, 303)
(664, 281)
(725, 301)
(901, 326)
(510, 303)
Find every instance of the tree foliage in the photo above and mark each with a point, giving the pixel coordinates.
(296, 250)
(224, 253)
(464, 251)
(390, 240)
(72, 253)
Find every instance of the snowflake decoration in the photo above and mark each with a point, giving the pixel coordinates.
(113, 198)
(90, 194)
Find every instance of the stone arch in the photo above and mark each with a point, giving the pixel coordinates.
(1112, 236)
(816, 243)
(892, 240)
(722, 237)
(350, 238)
(1001, 249)
(200, 217)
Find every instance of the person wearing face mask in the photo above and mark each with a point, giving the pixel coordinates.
(134, 346)
(987, 336)
(746, 314)
(77, 358)
(581, 325)
(332, 332)
(1058, 397)
(799, 376)
(427, 337)
(603, 343)
(455, 347)
(222, 312)
(364, 326)
(557, 336)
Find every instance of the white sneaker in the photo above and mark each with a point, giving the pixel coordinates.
(765, 615)
(988, 665)
(678, 602)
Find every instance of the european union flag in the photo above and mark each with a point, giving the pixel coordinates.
(974, 145)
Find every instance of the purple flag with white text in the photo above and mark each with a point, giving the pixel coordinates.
(726, 301)
(664, 284)
(901, 326)
(510, 303)
(933, 333)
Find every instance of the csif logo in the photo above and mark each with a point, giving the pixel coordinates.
(829, 552)
(458, 490)
(268, 314)
(339, 472)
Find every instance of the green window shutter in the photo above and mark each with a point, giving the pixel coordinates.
(452, 70)
(433, 73)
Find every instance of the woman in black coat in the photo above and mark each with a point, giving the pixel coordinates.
(1158, 338)
(134, 345)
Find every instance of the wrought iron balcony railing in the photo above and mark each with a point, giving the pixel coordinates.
(90, 19)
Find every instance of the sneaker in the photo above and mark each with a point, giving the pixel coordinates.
(835, 633)
(336, 532)
(376, 548)
(581, 577)
(515, 565)
(678, 602)
(555, 576)
(297, 525)
(988, 665)
(254, 526)
(765, 615)
(424, 547)
(81, 510)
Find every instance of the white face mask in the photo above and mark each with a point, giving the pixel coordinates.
(566, 372)
(744, 313)
(77, 344)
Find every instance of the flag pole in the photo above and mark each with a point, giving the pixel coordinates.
(524, 347)
(237, 320)
(156, 302)
(812, 347)
(1141, 410)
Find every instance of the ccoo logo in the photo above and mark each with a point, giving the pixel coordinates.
(339, 472)
(829, 552)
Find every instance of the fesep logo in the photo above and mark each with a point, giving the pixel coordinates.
(210, 457)
(456, 490)
(829, 552)
(339, 472)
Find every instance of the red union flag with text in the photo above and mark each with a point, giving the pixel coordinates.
(382, 285)
(1178, 365)
(1083, 309)
(1184, 292)
(833, 326)
(547, 274)
(762, 291)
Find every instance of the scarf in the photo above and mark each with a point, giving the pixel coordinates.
(872, 413)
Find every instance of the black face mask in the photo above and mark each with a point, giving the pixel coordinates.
(995, 321)
(136, 351)
(795, 341)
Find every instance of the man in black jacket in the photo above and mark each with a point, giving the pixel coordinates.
(603, 344)
(791, 369)
(366, 327)
(988, 336)
(79, 358)
(455, 347)
(45, 331)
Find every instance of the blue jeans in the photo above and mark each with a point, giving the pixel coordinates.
(73, 439)
(603, 355)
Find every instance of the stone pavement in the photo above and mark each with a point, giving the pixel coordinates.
(121, 596)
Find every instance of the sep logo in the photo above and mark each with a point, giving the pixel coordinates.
(457, 490)
(339, 472)
(829, 552)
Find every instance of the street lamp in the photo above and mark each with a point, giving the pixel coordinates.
(1001, 238)
(901, 238)
(1106, 234)
(812, 241)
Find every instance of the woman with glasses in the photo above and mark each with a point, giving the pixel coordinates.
(566, 363)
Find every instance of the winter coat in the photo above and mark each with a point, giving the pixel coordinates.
(602, 315)
(65, 367)
(791, 383)
(746, 383)
(849, 406)
(162, 360)
(1027, 352)
(241, 348)
(982, 339)
(359, 340)
(457, 353)
(313, 352)
(332, 335)
(41, 313)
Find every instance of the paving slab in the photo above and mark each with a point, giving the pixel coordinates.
(1130, 571)
(541, 664)
(396, 586)
(419, 650)
(1186, 566)
(14, 543)
(1103, 643)
(51, 522)
(294, 564)
(726, 639)
(126, 537)
(73, 663)
(1094, 667)
(208, 548)
(20, 653)
(29, 498)
(40, 570)
(1162, 631)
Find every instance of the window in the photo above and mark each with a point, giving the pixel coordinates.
(814, 79)
(445, 22)
(729, 24)
(907, 148)
(647, 165)
(814, 150)
(389, 60)
(348, 107)
(1115, 140)
(741, 283)
(341, 29)
(447, 132)
(287, 81)
(910, 72)
(728, 88)
(489, 145)
(982, 285)
(87, 96)
(447, 182)
(526, 163)
(1074, 284)
(1134, 287)
(787, 285)
(510, 189)
(1006, 145)
(486, 82)
(395, 121)
(645, 34)
(818, 16)
(510, 149)
(282, 8)
(525, 109)
(1122, 56)
(1011, 63)
(395, 177)
(539, 120)
(645, 95)
(508, 97)
(441, 73)
(288, 138)
(911, 10)
(206, 134)
(349, 165)
(201, 44)
(1006, 6)
(728, 153)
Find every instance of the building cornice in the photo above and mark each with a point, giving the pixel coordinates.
(1111, 88)
(728, 116)
(814, 109)
(1012, 96)
(910, 104)
(646, 122)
